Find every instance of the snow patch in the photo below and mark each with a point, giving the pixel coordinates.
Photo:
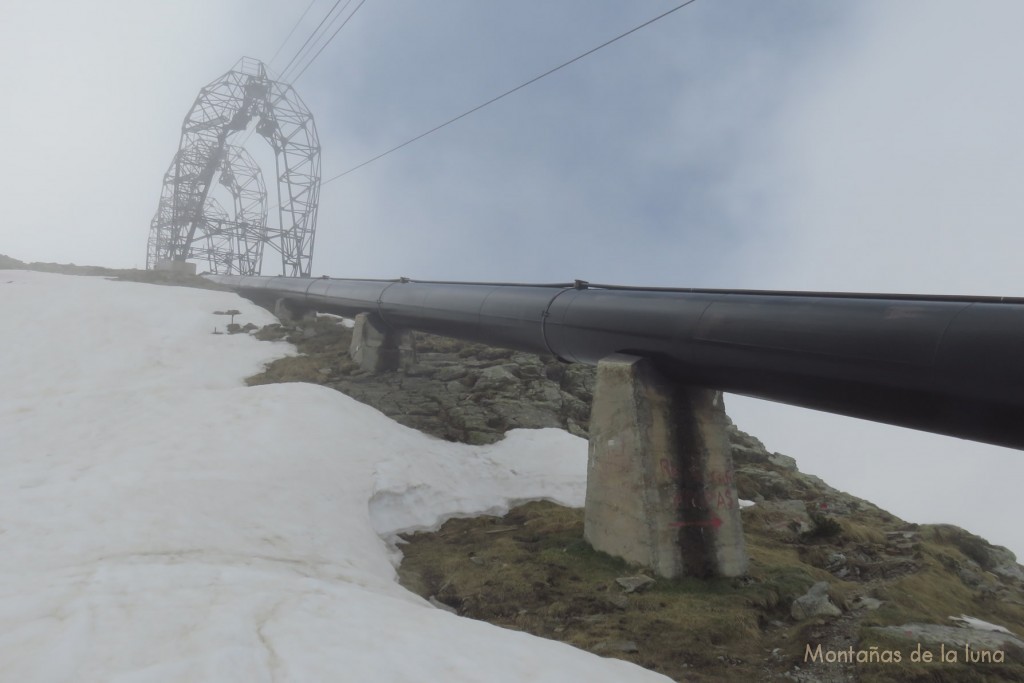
(980, 625)
(160, 521)
(345, 322)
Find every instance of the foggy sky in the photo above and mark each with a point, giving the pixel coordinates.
(870, 146)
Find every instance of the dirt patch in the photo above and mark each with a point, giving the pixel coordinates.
(532, 571)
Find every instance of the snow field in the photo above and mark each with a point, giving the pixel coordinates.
(160, 521)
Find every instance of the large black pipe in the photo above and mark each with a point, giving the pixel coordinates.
(946, 364)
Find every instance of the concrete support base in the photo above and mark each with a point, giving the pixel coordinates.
(379, 349)
(660, 488)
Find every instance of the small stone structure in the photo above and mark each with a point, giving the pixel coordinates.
(660, 489)
(174, 266)
(377, 348)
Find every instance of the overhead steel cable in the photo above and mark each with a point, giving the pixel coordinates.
(316, 44)
(312, 36)
(297, 76)
(292, 32)
(509, 92)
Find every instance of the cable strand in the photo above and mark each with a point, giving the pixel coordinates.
(338, 30)
(311, 35)
(292, 32)
(509, 92)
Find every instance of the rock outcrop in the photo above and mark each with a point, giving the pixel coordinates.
(814, 603)
(454, 390)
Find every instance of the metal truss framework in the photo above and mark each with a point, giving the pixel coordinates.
(190, 224)
(228, 245)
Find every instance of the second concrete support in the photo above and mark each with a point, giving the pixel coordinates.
(660, 488)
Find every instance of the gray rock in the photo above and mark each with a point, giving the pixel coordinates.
(450, 373)
(579, 381)
(423, 407)
(834, 561)
(865, 602)
(969, 578)
(739, 438)
(618, 600)
(627, 646)
(524, 414)
(420, 370)
(935, 634)
(634, 584)
(815, 603)
(440, 605)
(468, 417)
(496, 378)
(474, 438)
(575, 429)
(783, 461)
(744, 454)
(771, 485)
(453, 390)
(1004, 563)
(575, 408)
(748, 450)
(530, 366)
(785, 517)
(833, 506)
(544, 392)
(456, 387)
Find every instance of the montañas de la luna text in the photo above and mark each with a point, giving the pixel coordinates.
(874, 654)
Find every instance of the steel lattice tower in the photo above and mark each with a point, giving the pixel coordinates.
(190, 224)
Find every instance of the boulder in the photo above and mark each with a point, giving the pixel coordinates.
(814, 603)
(634, 584)
(495, 379)
(953, 636)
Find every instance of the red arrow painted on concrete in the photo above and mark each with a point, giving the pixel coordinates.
(713, 522)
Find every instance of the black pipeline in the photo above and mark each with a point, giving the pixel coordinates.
(946, 364)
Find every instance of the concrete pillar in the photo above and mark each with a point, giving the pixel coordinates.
(660, 488)
(378, 348)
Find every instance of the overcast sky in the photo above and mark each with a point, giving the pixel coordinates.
(798, 144)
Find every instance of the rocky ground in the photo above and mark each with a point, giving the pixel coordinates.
(838, 589)
(455, 391)
(827, 568)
